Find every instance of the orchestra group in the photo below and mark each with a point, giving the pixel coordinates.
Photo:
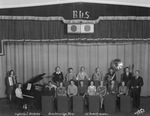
(82, 85)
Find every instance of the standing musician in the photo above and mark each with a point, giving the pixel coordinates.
(82, 75)
(126, 77)
(110, 76)
(11, 84)
(136, 84)
(58, 76)
(97, 76)
(70, 75)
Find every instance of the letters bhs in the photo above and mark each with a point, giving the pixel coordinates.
(80, 14)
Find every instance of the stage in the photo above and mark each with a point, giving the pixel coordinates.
(10, 109)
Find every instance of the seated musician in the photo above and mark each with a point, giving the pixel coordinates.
(123, 90)
(50, 89)
(101, 91)
(72, 91)
(113, 88)
(91, 89)
(61, 91)
(58, 76)
(70, 75)
(97, 76)
(82, 75)
(111, 75)
(82, 89)
(19, 96)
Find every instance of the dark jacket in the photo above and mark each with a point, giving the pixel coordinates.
(137, 82)
(50, 92)
(58, 77)
(127, 79)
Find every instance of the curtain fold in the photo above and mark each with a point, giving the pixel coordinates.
(29, 59)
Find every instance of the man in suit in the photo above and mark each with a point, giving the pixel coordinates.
(126, 77)
(136, 84)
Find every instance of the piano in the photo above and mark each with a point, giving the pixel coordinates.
(32, 91)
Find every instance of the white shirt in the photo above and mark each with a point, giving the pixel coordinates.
(18, 92)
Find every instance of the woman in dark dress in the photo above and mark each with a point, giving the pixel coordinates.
(11, 84)
(58, 76)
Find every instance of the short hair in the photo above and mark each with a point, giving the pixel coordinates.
(112, 81)
(92, 81)
(127, 67)
(19, 84)
(81, 81)
(71, 80)
(57, 67)
(96, 68)
(49, 82)
(137, 71)
(111, 68)
(82, 67)
(122, 82)
(70, 68)
(60, 83)
(100, 82)
(11, 71)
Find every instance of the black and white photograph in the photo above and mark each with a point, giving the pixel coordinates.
(74, 57)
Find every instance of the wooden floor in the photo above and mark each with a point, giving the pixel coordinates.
(8, 109)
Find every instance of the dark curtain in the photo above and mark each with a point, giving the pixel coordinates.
(52, 30)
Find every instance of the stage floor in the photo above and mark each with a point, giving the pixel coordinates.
(7, 109)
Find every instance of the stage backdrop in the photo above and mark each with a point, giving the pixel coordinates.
(29, 59)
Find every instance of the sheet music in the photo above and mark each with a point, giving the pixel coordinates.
(10, 81)
(29, 86)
